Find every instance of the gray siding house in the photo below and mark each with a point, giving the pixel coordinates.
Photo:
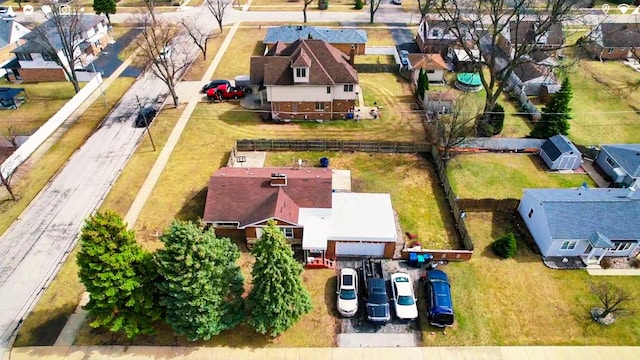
(621, 162)
(583, 222)
(559, 153)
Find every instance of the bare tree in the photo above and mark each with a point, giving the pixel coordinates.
(5, 181)
(373, 7)
(60, 38)
(480, 25)
(156, 49)
(457, 126)
(12, 136)
(425, 6)
(612, 299)
(200, 37)
(304, 9)
(217, 9)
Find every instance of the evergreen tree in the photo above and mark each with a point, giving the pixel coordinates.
(277, 299)
(497, 119)
(201, 285)
(115, 271)
(105, 7)
(505, 246)
(421, 88)
(555, 116)
(359, 4)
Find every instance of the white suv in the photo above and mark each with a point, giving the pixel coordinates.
(347, 292)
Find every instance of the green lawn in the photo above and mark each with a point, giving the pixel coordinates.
(521, 302)
(503, 176)
(247, 41)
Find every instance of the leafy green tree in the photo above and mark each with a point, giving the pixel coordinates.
(201, 285)
(115, 271)
(505, 246)
(277, 299)
(359, 4)
(497, 119)
(555, 116)
(105, 7)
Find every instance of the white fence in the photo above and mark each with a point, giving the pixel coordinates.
(16, 159)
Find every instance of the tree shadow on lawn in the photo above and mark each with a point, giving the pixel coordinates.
(502, 223)
(193, 208)
(46, 333)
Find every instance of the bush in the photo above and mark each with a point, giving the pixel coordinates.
(497, 119)
(606, 263)
(505, 246)
(359, 4)
(635, 263)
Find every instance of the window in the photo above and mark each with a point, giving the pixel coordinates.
(348, 88)
(24, 56)
(610, 161)
(610, 50)
(430, 71)
(435, 33)
(568, 245)
(301, 72)
(622, 245)
(288, 232)
(530, 213)
(226, 224)
(328, 89)
(319, 106)
(48, 57)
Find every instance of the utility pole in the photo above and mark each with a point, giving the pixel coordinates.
(146, 123)
(5, 182)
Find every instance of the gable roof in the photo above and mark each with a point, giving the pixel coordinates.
(246, 195)
(291, 33)
(427, 61)
(620, 34)
(10, 31)
(578, 213)
(35, 44)
(529, 70)
(327, 65)
(627, 156)
(435, 20)
(523, 32)
(557, 145)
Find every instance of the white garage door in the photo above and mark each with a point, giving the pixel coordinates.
(360, 249)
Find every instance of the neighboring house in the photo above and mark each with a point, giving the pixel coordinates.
(621, 162)
(523, 33)
(463, 63)
(11, 33)
(529, 77)
(435, 36)
(433, 65)
(342, 39)
(612, 41)
(559, 153)
(307, 80)
(589, 223)
(439, 102)
(324, 223)
(35, 62)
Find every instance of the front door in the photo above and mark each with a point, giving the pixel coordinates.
(588, 250)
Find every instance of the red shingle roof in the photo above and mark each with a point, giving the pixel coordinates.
(246, 195)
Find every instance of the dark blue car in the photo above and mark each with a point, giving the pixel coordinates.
(438, 296)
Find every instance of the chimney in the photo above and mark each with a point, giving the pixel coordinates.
(278, 179)
(352, 55)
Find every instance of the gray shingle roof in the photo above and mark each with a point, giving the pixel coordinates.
(578, 213)
(627, 155)
(6, 26)
(523, 32)
(558, 145)
(289, 34)
(621, 35)
(35, 44)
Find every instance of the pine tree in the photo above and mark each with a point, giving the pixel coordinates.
(104, 7)
(497, 119)
(277, 299)
(421, 88)
(115, 271)
(555, 116)
(201, 285)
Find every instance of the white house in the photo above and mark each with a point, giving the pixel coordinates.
(11, 33)
(307, 80)
(586, 223)
(438, 36)
(432, 64)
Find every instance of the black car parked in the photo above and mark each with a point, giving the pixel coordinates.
(145, 116)
(215, 84)
(377, 300)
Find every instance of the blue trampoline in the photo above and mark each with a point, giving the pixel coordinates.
(468, 82)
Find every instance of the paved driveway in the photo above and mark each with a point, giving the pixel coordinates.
(107, 62)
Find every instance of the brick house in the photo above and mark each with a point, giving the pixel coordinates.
(613, 41)
(307, 80)
(36, 60)
(342, 39)
(11, 33)
(438, 36)
(325, 224)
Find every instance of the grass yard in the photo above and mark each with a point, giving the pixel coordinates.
(236, 60)
(199, 67)
(503, 176)
(521, 302)
(378, 37)
(44, 100)
(411, 180)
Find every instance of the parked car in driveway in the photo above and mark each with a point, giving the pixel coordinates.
(347, 292)
(224, 92)
(145, 116)
(438, 295)
(404, 300)
(376, 292)
(404, 58)
(215, 84)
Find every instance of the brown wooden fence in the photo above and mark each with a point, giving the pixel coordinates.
(399, 147)
(377, 68)
(470, 205)
(449, 255)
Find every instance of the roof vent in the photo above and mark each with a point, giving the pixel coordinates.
(278, 179)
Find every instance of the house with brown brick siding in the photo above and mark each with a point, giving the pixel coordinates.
(11, 33)
(614, 41)
(342, 39)
(306, 80)
(37, 61)
(322, 222)
(438, 36)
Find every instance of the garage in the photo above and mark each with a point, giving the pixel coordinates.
(359, 249)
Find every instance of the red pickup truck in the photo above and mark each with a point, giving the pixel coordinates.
(224, 92)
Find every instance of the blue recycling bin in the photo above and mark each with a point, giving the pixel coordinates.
(324, 162)
(413, 259)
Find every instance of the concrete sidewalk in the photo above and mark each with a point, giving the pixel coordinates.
(426, 353)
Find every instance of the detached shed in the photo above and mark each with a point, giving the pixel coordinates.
(559, 153)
